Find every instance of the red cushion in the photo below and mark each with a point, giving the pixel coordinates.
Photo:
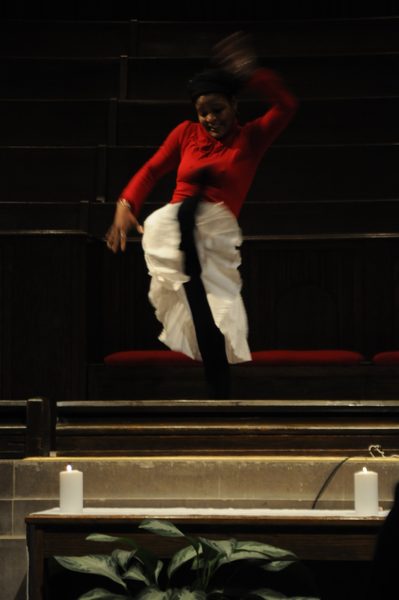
(307, 357)
(386, 358)
(149, 357)
(262, 357)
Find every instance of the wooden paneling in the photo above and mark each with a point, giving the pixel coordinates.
(319, 121)
(286, 173)
(166, 78)
(308, 76)
(146, 123)
(194, 38)
(64, 38)
(127, 314)
(43, 315)
(299, 294)
(50, 77)
(282, 37)
(179, 10)
(320, 260)
(315, 173)
(379, 287)
(48, 174)
(54, 123)
(333, 218)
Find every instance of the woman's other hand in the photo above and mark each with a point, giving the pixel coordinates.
(124, 220)
(236, 55)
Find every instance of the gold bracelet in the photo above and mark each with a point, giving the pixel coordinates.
(125, 203)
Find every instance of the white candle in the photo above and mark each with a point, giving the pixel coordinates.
(366, 492)
(71, 491)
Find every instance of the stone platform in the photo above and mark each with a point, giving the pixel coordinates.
(31, 485)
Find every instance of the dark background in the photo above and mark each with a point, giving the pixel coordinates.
(89, 89)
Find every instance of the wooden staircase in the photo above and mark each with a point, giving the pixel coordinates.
(209, 427)
(198, 428)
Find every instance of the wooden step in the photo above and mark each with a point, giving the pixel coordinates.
(26, 428)
(228, 428)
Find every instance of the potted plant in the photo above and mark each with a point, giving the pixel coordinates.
(203, 570)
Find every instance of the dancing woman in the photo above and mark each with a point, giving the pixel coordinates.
(191, 245)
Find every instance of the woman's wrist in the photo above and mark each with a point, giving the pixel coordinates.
(123, 202)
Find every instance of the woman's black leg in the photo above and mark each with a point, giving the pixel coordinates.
(210, 339)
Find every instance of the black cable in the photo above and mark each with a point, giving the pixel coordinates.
(327, 481)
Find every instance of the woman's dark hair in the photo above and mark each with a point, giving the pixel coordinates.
(213, 81)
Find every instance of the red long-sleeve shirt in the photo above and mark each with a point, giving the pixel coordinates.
(233, 159)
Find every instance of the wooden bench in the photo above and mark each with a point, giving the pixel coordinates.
(163, 374)
(272, 374)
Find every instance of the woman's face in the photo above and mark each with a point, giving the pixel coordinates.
(216, 113)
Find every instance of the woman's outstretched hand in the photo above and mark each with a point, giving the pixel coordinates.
(124, 220)
(236, 55)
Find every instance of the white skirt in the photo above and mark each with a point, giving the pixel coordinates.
(218, 238)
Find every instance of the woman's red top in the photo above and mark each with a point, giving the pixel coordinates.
(233, 159)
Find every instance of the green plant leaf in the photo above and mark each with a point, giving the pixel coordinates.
(154, 593)
(277, 565)
(246, 556)
(266, 549)
(137, 573)
(180, 558)
(213, 545)
(187, 594)
(194, 542)
(101, 594)
(103, 537)
(265, 594)
(167, 529)
(123, 558)
(210, 550)
(143, 555)
(223, 547)
(164, 528)
(216, 595)
(229, 546)
(158, 570)
(95, 564)
(208, 561)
